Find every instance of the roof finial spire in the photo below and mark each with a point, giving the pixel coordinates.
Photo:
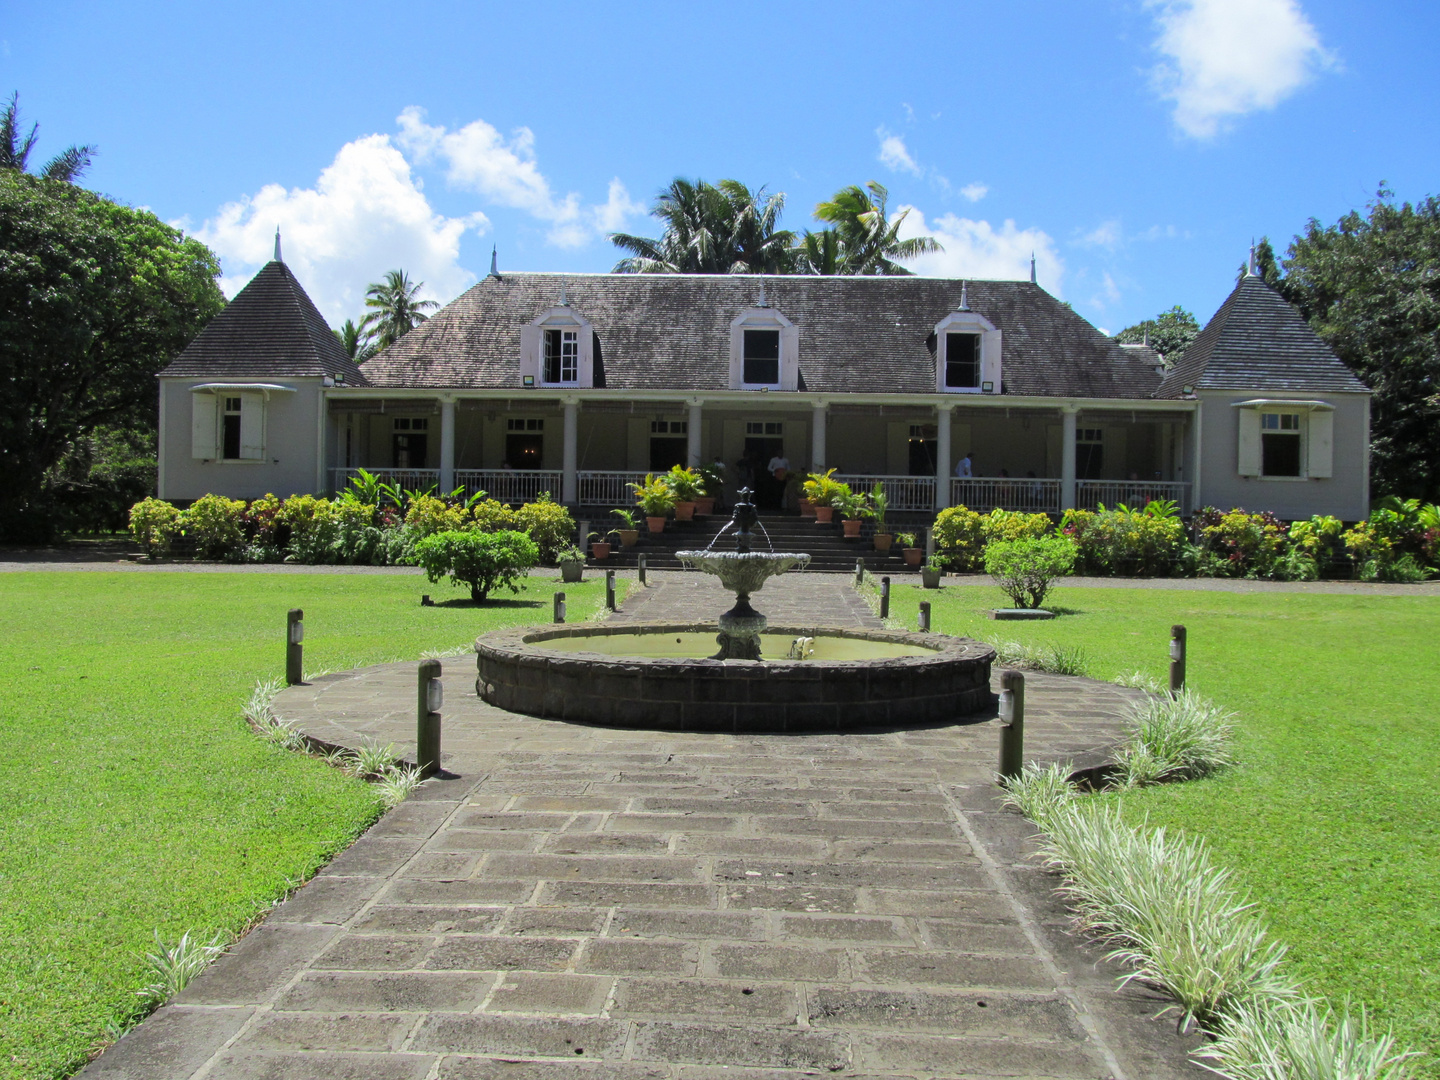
(762, 302)
(1032, 268)
(1250, 269)
(277, 244)
(964, 298)
(494, 270)
(563, 301)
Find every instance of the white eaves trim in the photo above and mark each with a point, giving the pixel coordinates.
(1283, 403)
(265, 388)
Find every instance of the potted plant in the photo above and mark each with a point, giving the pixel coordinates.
(710, 487)
(572, 563)
(853, 507)
(820, 489)
(932, 571)
(630, 534)
(600, 546)
(908, 549)
(685, 486)
(879, 505)
(807, 508)
(655, 499)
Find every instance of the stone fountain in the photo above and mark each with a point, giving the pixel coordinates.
(743, 572)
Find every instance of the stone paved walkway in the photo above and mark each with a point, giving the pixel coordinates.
(580, 903)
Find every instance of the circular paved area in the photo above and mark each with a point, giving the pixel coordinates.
(575, 902)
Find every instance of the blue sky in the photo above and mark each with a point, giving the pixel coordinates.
(1136, 146)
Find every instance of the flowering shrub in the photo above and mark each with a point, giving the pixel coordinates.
(1013, 525)
(491, 515)
(215, 524)
(960, 538)
(548, 523)
(428, 515)
(1124, 541)
(152, 524)
(1243, 545)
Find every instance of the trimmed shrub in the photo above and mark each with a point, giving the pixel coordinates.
(482, 561)
(960, 538)
(491, 515)
(1024, 569)
(548, 523)
(428, 515)
(215, 524)
(1124, 542)
(1013, 525)
(153, 523)
(1243, 545)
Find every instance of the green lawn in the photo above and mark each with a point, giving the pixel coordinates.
(1333, 817)
(136, 798)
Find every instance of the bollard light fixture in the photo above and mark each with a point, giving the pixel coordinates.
(1007, 706)
(435, 695)
(1174, 648)
(297, 632)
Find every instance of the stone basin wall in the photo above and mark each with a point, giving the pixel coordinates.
(733, 695)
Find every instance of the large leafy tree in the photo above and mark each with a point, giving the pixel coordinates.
(1169, 333)
(722, 228)
(395, 309)
(1370, 286)
(95, 298)
(15, 148)
(868, 239)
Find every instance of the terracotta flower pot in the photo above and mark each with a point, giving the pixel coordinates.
(628, 537)
(824, 515)
(600, 549)
(705, 505)
(684, 511)
(883, 541)
(807, 508)
(913, 556)
(851, 527)
(655, 524)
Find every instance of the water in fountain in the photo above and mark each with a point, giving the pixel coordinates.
(743, 572)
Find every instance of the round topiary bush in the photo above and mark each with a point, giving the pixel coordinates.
(1025, 569)
(483, 561)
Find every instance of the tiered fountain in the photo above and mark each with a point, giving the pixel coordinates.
(665, 677)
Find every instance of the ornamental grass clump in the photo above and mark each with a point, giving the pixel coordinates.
(1299, 1041)
(1174, 738)
(170, 968)
(1040, 792)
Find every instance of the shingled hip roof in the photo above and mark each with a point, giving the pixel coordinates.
(1258, 341)
(271, 329)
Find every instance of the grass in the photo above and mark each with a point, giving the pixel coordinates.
(1331, 819)
(139, 804)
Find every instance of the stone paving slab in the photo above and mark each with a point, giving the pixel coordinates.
(587, 903)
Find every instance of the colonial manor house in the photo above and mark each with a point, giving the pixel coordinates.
(578, 384)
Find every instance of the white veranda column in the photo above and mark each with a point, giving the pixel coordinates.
(942, 456)
(570, 479)
(447, 446)
(1067, 457)
(817, 438)
(692, 435)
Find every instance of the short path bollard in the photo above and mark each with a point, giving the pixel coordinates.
(640, 568)
(924, 616)
(885, 597)
(1012, 723)
(859, 571)
(427, 727)
(294, 651)
(559, 607)
(610, 589)
(1177, 659)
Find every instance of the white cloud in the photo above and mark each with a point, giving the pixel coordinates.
(1105, 235)
(365, 215)
(1227, 58)
(1109, 293)
(977, 249)
(478, 158)
(975, 192)
(894, 155)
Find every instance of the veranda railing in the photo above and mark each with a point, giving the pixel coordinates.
(1028, 494)
(904, 492)
(1089, 494)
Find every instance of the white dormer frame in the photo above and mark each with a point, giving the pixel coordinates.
(765, 318)
(532, 347)
(969, 322)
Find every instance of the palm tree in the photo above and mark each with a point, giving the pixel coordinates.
(868, 239)
(818, 253)
(395, 309)
(722, 228)
(358, 344)
(15, 149)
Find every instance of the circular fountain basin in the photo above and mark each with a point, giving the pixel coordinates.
(659, 677)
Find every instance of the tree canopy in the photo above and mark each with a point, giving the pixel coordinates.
(1170, 333)
(95, 298)
(868, 240)
(1370, 287)
(395, 309)
(15, 148)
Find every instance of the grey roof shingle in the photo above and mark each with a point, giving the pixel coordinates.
(270, 330)
(672, 332)
(1257, 341)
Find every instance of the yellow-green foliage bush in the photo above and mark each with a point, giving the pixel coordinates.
(1124, 542)
(215, 524)
(960, 538)
(491, 515)
(1013, 525)
(301, 513)
(1245, 545)
(428, 515)
(548, 523)
(152, 524)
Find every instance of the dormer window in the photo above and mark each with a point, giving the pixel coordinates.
(967, 354)
(762, 357)
(557, 349)
(764, 351)
(562, 357)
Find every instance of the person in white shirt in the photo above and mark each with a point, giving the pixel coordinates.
(779, 469)
(965, 466)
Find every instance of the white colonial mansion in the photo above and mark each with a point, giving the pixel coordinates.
(578, 385)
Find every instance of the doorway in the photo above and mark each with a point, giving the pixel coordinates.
(923, 450)
(524, 451)
(665, 452)
(759, 450)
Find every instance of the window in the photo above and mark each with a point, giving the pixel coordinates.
(669, 427)
(762, 357)
(1279, 444)
(230, 430)
(412, 423)
(527, 424)
(764, 427)
(562, 356)
(962, 361)
(1089, 453)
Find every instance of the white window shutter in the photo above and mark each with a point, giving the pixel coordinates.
(530, 338)
(1322, 443)
(203, 425)
(252, 427)
(990, 359)
(1249, 454)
